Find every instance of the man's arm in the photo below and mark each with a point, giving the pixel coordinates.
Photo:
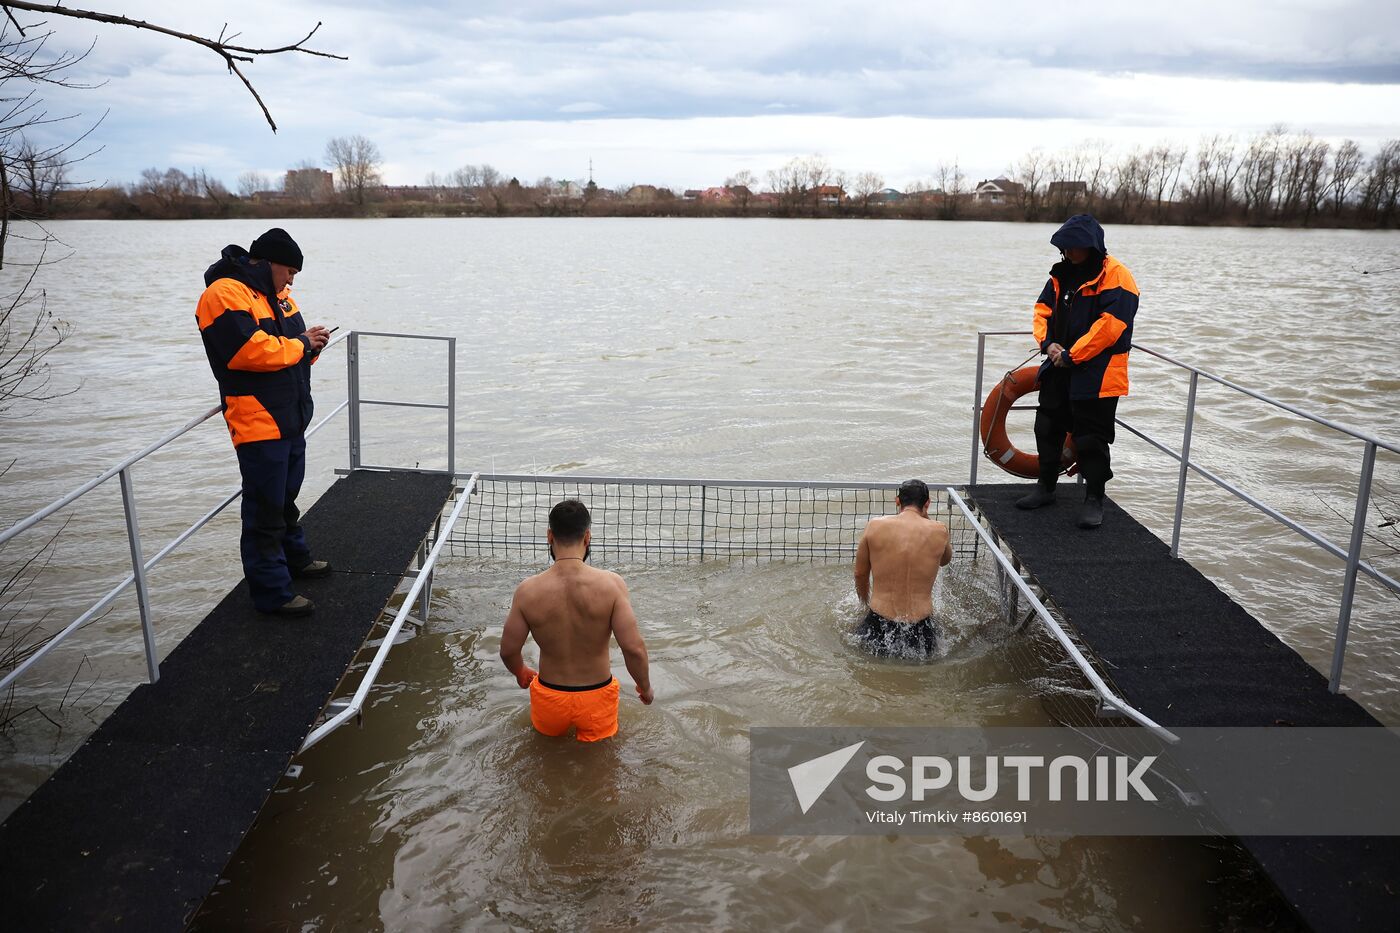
(513, 641)
(947, 557)
(1117, 303)
(629, 639)
(231, 333)
(863, 568)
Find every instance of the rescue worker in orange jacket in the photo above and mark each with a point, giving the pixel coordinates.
(1084, 325)
(261, 353)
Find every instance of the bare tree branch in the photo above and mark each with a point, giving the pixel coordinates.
(231, 54)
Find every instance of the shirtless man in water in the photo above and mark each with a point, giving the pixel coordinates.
(573, 610)
(905, 552)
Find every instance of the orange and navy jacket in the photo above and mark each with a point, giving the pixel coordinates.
(257, 348)
(1098, 332)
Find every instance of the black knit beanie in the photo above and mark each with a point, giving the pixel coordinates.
(276, 245)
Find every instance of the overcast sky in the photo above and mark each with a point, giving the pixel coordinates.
(687, 92)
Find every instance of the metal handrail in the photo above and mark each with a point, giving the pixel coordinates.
(356, 401)
(1351, 555)
(140, 564)
(357, 702)
(1111, 700)
(146, 566)
(689, 481)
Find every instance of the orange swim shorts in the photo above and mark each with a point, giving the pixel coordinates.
(592, 710)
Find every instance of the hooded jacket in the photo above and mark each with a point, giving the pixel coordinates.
(257, 348)
(1096, 319)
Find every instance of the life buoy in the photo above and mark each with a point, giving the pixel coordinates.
(996, 445)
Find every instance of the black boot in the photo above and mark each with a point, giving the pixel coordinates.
(1091, 514)
(1043, 494)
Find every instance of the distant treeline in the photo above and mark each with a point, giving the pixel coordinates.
(1276, 178)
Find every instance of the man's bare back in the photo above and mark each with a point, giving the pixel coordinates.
(573, 611)
(903, 553)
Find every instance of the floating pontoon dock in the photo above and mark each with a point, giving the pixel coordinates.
(133, 831)
(1185, 654)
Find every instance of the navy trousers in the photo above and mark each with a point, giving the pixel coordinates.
(1088, 421)
(272, 542)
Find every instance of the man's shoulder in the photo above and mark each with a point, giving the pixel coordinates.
(227, 290)
(609, 577)
(1116, 275)
(529, 584)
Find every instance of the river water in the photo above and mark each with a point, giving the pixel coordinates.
(726, 349)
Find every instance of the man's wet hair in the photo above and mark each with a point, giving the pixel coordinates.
(569, 520)
(911, 492)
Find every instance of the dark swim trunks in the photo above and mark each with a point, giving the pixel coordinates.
(888, 638)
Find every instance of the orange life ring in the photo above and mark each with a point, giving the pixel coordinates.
(997, 446)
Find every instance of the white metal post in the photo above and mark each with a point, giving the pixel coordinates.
(452, 405)
(977, 409)
(1185, 464)
(352, 392)
(1358, 536)
(425, 595)
(138, 569)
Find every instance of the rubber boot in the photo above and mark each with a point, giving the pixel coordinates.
(1043, 494)
(1091, 513)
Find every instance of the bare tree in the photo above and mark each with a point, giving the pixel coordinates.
(741, 185)
(212, 190)
(167, 190)
(1131, 181)
(866, 186)
(1030, 174)
(250, 183)
(29, 332)
(39, 175)
(222, 46)
(466, 178)
(953, 183)
(788, 182)
(1346, 173)
(1163, 172)
(355, 161)
(1260, 172)
(1209, 190)
(1380, 194)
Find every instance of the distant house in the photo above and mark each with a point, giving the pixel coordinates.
(741, 192)
(887, 196)
(568, 190)
(829, 194)
(692, 194)
(998, 191)
(1067, 191)
(641, 194)
(716, 195)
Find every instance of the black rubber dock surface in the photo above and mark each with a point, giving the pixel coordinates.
(1186, 654)
(133, 831)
